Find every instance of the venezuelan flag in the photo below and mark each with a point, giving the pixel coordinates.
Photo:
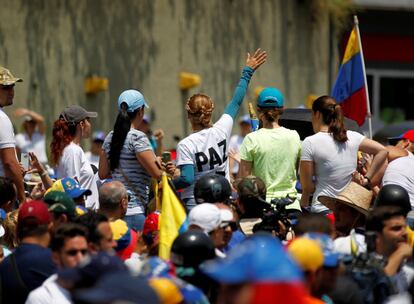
(173, 218)
(349, 88)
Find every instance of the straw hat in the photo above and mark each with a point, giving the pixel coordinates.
(354, 196)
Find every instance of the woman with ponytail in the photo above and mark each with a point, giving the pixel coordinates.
(329, 158)
(68, 157)
(205, 150)
(272, 153)
(127, 156)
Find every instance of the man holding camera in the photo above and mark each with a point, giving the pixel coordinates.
(9, 165)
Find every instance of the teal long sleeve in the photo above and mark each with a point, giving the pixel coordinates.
(186, 177)
(233, 107)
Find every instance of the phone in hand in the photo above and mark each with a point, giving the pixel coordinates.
(24, 159)
(166, 157)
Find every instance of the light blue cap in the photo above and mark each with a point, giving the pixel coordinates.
(133, 99)
(270, 98)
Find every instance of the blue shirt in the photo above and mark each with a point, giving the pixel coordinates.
(34, 264)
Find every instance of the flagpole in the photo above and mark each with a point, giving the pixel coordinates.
(365, 77)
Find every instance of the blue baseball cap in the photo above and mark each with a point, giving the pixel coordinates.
(133, 99)
(270, 98)
(70, 186)
(92, 268)
(122, 287)
(249, 261)
(330, 258)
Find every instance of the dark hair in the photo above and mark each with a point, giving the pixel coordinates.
(29, 227)
(63, 133)
(313, 223)
(91, 220)
(271, 114)
(66, 231)
(378, 215)
(7, 191)
(332, 116)
(121, 129)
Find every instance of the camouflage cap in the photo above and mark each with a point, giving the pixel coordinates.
(7, 78)
(251, 187)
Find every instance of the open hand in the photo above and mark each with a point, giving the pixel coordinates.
(258, 58)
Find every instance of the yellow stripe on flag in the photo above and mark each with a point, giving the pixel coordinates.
(173, 218)
(352, 47)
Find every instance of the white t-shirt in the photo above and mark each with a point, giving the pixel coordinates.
(234, 146)
(401, 172)
(49, 292)
(92, 158)
(334, 163)
(74, 164)
(37, 144)
(206, 150)
(6, 136)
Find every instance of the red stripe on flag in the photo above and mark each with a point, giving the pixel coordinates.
(355, 107)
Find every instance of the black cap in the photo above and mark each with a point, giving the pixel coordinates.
(76, 114)
(393, 195)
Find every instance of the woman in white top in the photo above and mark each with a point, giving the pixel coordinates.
(331, 155)
(205, 150)
(68, 157)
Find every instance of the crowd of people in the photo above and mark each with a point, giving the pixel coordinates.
(270, 219)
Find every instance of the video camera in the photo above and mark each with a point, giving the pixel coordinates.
(274, 212)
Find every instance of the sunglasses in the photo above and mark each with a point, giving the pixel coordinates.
(7, 87)
(73, 252)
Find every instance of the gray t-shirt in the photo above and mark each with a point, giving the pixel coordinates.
(139, 180)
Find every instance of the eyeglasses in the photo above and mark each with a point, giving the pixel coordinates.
(73, 252)
(7, 87)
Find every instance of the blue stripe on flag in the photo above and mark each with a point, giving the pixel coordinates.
(350, 79)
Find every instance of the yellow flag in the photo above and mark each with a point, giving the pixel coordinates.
(173, 218)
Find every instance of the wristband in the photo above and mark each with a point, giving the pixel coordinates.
(44, 173)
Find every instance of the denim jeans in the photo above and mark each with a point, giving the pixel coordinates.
(135, 221)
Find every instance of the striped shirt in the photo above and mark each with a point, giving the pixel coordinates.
(139, 180)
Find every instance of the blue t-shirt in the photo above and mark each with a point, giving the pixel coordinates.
(34, 264)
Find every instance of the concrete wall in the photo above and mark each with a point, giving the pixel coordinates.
(54, 44)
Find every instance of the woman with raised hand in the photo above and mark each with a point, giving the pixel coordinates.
(127, 156)
(331, 155)
(68, 157)
(205, 150)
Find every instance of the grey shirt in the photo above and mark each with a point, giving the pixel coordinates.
(139, 180)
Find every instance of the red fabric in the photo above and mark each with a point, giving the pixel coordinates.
(331, 218)
(151, 223)
(293, 293)
(125, 253)
(355, 107)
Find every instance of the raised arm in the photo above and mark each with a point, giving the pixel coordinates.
(39, 119)
(253, 62)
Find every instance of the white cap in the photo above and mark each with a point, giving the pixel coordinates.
(206, 216)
